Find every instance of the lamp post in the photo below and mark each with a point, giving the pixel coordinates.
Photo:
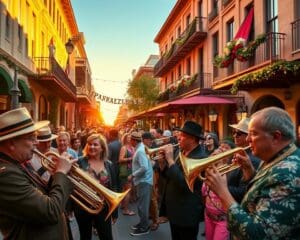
(213, 115)
(241, 113)
(15, 91)
(69, 48)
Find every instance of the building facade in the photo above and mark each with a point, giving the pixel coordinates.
(41, 52)
(244, 51)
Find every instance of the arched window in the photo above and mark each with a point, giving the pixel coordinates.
(43, 108)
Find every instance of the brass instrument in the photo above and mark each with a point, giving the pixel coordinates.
(152, 151)
(88, 193)
(162, 140)
(194, 167)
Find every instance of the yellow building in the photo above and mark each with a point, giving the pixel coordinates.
(42, 52)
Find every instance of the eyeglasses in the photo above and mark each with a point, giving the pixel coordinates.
(209, 138)
(239, 133)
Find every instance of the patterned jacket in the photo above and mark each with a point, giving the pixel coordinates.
(271, 207)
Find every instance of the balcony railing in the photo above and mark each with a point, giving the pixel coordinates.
(185, 86)
(270, 51)
(187, 41)
(49, 67)
(296, 35)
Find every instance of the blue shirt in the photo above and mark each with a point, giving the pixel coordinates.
(141, 166)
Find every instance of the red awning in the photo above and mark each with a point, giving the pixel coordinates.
(195, 100)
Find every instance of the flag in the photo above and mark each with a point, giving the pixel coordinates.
(244, 30)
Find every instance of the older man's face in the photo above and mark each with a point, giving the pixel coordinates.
(23, 146)
(260, 141)
(185, 140)
(44, 147)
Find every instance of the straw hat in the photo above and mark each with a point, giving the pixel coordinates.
(136, 136)
(18, 122)
(242, 125)
(44, 134)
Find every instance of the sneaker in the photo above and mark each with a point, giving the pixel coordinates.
(135, 227)
(140, 231)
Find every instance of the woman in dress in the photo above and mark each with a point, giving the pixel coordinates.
(95, 162)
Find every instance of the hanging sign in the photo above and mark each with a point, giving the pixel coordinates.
(114, 100)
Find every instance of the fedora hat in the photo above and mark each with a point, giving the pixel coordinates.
(44, 134)
(18, 122)
(136, 136)
(192, 128)
(242, 125)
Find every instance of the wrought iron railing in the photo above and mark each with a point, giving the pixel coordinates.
(267, 52)
(49, 66)
(296, 35)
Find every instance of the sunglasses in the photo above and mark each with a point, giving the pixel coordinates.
(239, 133)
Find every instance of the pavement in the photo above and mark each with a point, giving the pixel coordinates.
(121, 229)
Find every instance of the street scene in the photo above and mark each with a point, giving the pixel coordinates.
(161, 119)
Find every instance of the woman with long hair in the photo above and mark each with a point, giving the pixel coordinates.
(95, 162)
(125, 169)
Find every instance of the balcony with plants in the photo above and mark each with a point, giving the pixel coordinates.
(186, 85)
(239, 59)
(186, 42)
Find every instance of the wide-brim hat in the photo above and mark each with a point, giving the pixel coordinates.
(136, 136)
(192, 128)
(44, 134)
(18, 122)
(242, 125)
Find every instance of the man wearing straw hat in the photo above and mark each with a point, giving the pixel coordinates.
(44, 138)
(28, 209)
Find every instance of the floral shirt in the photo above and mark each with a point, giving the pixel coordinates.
(271, 207)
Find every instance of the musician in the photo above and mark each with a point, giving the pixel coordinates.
(270, 209)
(236, 183)
(184, 208)
(44, 138)
(28, 209)
(96, 163)
(142, 176)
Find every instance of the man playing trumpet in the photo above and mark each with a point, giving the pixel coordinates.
(28, 209)
(184, 208)
(271, 206)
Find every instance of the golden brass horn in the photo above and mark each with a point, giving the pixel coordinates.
(151, 151)
(88, 193)
(194, 167)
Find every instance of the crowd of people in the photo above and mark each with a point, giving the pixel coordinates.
(259, 199)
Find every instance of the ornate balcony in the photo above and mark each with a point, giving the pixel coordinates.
(187, 85)
(187, 41)
(268, 52)
(51, 75)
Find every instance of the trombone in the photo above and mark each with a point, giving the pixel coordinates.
(194, 167)
(89, 194)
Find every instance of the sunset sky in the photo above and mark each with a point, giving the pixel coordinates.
(119, 38)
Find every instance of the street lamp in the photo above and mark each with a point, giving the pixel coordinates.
(212, 115)
(15, 91)
(241, 113)
(69, 48)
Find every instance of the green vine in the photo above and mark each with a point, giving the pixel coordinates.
(235, 49)
(279, 70)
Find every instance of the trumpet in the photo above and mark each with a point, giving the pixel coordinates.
(89, 194)
(162, 140)
(194, 167)
(151, 151)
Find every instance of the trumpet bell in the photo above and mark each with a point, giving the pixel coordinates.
(194, 167)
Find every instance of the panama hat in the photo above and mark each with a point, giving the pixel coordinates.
(18, 122)
(192, 128)
(136, 136)
(44, 134)
(242, 125)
